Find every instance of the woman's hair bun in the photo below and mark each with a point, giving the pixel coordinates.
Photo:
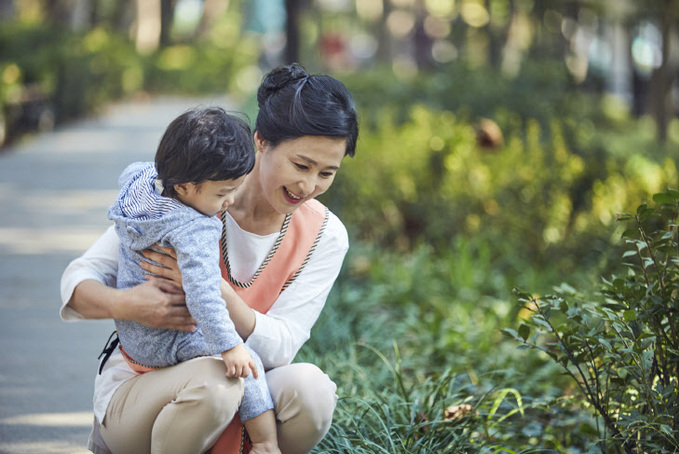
(278, 79)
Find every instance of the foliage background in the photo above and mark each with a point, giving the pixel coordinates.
(496, 148)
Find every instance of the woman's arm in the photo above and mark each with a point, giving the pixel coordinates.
(278, 335)
(242, 316)
(88, 292)
(99, 263)
(155, 303)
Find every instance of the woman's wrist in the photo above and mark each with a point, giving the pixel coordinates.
(228, 293)
(94, 300)
(119, 303)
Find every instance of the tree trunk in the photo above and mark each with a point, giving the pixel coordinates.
(511, 58)
(661, 80)
(384, 35)
(147, 36)
(122, 16)
(6, 10)
(93, 17)
(166, 17)
(211, 10)
(293, 10)
(422, 43)
(619, 74)
(494, 41)
(69, 14)
(56, 13)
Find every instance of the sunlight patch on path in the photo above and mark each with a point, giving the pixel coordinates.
(63, 202)
(46, 447)
(75, 419)
(42, 241)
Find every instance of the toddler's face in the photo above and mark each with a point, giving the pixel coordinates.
(210, 197)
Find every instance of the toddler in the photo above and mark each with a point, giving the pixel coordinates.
(203, 157)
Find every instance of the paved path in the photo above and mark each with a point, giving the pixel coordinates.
(54, 192)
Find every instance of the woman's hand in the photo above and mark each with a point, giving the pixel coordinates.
(241, 314)
(169, 269)
(155, 303)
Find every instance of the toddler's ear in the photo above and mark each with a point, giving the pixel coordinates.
(181, 188)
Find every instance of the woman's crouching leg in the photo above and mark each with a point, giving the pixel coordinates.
(305, 400)
(175, 410)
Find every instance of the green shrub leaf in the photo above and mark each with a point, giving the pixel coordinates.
(664, 198)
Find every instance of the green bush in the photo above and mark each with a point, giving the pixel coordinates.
(92, 70)
(65, 73)
(541, 90)
(427, 181)
(203, 68)
(568, 161)
(387, 410)
(623, 350)
(442, 311)
(71, 74)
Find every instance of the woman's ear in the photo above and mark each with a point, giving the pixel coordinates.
(260, 143)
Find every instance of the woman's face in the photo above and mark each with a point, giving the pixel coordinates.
(298, 170)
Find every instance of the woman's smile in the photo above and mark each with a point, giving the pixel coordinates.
(291, 196)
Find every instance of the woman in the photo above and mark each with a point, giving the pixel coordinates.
(281, 252)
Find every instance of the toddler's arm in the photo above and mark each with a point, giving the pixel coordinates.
(239, 363)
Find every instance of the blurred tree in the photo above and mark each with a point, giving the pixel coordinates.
(384, 54)
(6, 10)
(548, 18)
(56, 12)
(167, 8)
(71, 14)
(422, 42)
(293, 9)
(497, 29)
(148, 25)
(662, 78)
(118, 15)
(593, 39)
(212, 9)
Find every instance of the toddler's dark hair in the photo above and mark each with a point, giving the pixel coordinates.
(204, 143)
(293, 104)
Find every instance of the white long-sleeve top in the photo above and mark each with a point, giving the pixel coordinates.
(278, 335)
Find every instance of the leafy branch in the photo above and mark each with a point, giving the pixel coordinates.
(622, 350)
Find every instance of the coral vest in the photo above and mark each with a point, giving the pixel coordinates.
(299, 236)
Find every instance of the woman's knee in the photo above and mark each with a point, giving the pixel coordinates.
(305, 401)
(303, 390)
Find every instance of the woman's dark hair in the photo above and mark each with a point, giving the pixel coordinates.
(294, 104)
(204, 143)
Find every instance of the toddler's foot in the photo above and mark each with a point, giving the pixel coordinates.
(265, 447)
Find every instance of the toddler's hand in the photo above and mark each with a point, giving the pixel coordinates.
(239, 363)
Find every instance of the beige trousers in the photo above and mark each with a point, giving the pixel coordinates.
(183, 409)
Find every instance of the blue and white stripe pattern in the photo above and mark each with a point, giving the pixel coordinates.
(143, 199)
